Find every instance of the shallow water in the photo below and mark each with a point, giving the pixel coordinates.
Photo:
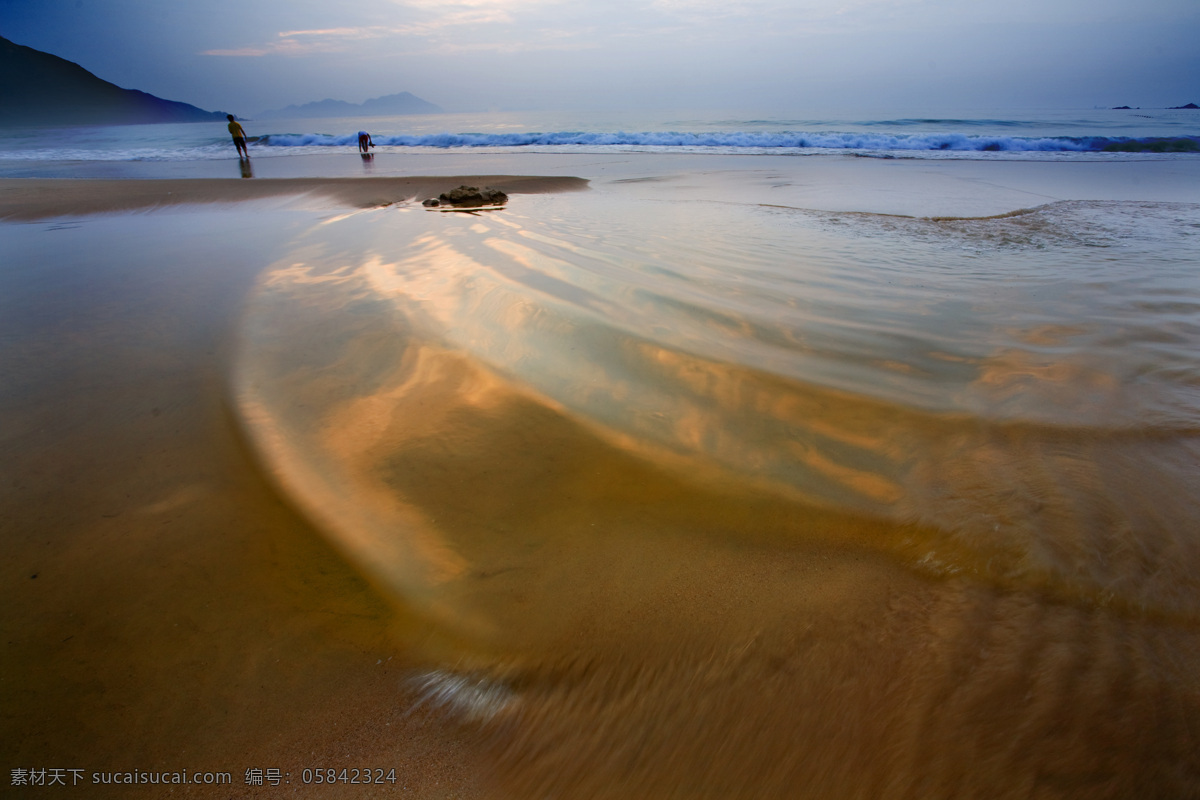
(717, 498)
(675, 494)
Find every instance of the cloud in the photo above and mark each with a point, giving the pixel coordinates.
(458, 19)
(241, 52)
(437, 26)
(306, 42)
(351, 33)
(448, 16)
(449, 5)
(546, 42)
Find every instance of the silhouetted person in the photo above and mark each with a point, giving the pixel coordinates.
(239, 137)
(364, 141)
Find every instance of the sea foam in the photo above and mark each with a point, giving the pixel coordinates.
(784, 140)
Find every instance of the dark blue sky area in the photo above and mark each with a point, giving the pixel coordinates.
(781, 55)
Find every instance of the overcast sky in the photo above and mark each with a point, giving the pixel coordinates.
(769, 56)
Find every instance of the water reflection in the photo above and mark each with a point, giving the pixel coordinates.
(769, 401)
(695, 503)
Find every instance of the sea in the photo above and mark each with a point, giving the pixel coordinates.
(708, 481)
(1037, 133)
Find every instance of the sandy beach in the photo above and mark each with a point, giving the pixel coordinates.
(23, 199)
(173, 602)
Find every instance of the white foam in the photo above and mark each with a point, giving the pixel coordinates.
(473, 697)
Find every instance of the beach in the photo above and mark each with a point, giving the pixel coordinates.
(589, 496)
(24, 199)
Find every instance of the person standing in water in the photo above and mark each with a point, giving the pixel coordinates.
(239, 137)
(364, 141)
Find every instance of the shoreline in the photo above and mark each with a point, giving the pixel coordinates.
(27, 199)
(897, 187)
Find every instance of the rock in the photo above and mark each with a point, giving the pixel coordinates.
(473, 197)
(431, 203)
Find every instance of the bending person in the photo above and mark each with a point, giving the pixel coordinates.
(364, 141)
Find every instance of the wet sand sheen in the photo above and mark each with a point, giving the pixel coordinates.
(722, 642)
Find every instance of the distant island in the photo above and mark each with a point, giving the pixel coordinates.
(389, 105)
(38, 89)
(1169, 108)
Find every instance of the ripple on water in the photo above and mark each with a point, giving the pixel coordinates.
(1025, 415)
(709, 485)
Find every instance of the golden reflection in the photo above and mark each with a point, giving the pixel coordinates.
(1030, 381)
(533, 259)
(301, 273)
(432, 275)
(679, 570)
(369, 459)
(767, 427)
(867, 484)
(710, 419)
(506, 339)
(386, 537)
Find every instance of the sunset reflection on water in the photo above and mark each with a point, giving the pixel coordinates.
(698, 504)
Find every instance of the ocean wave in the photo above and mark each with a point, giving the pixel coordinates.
(961, 142)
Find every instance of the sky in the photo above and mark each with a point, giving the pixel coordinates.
(765, 56)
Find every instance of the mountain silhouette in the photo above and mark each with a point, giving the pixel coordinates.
(38, 89)
(389, 105)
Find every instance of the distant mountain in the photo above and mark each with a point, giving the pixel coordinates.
(389, 105)
(38, 88)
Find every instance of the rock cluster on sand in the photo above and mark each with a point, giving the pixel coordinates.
(469, 197)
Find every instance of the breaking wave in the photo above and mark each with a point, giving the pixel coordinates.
(784, 140)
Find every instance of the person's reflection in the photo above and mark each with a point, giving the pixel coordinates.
(368, 160)
(247, 170)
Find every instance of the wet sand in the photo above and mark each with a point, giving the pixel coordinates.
(899, 186)
(26, 199)
(166, 608)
